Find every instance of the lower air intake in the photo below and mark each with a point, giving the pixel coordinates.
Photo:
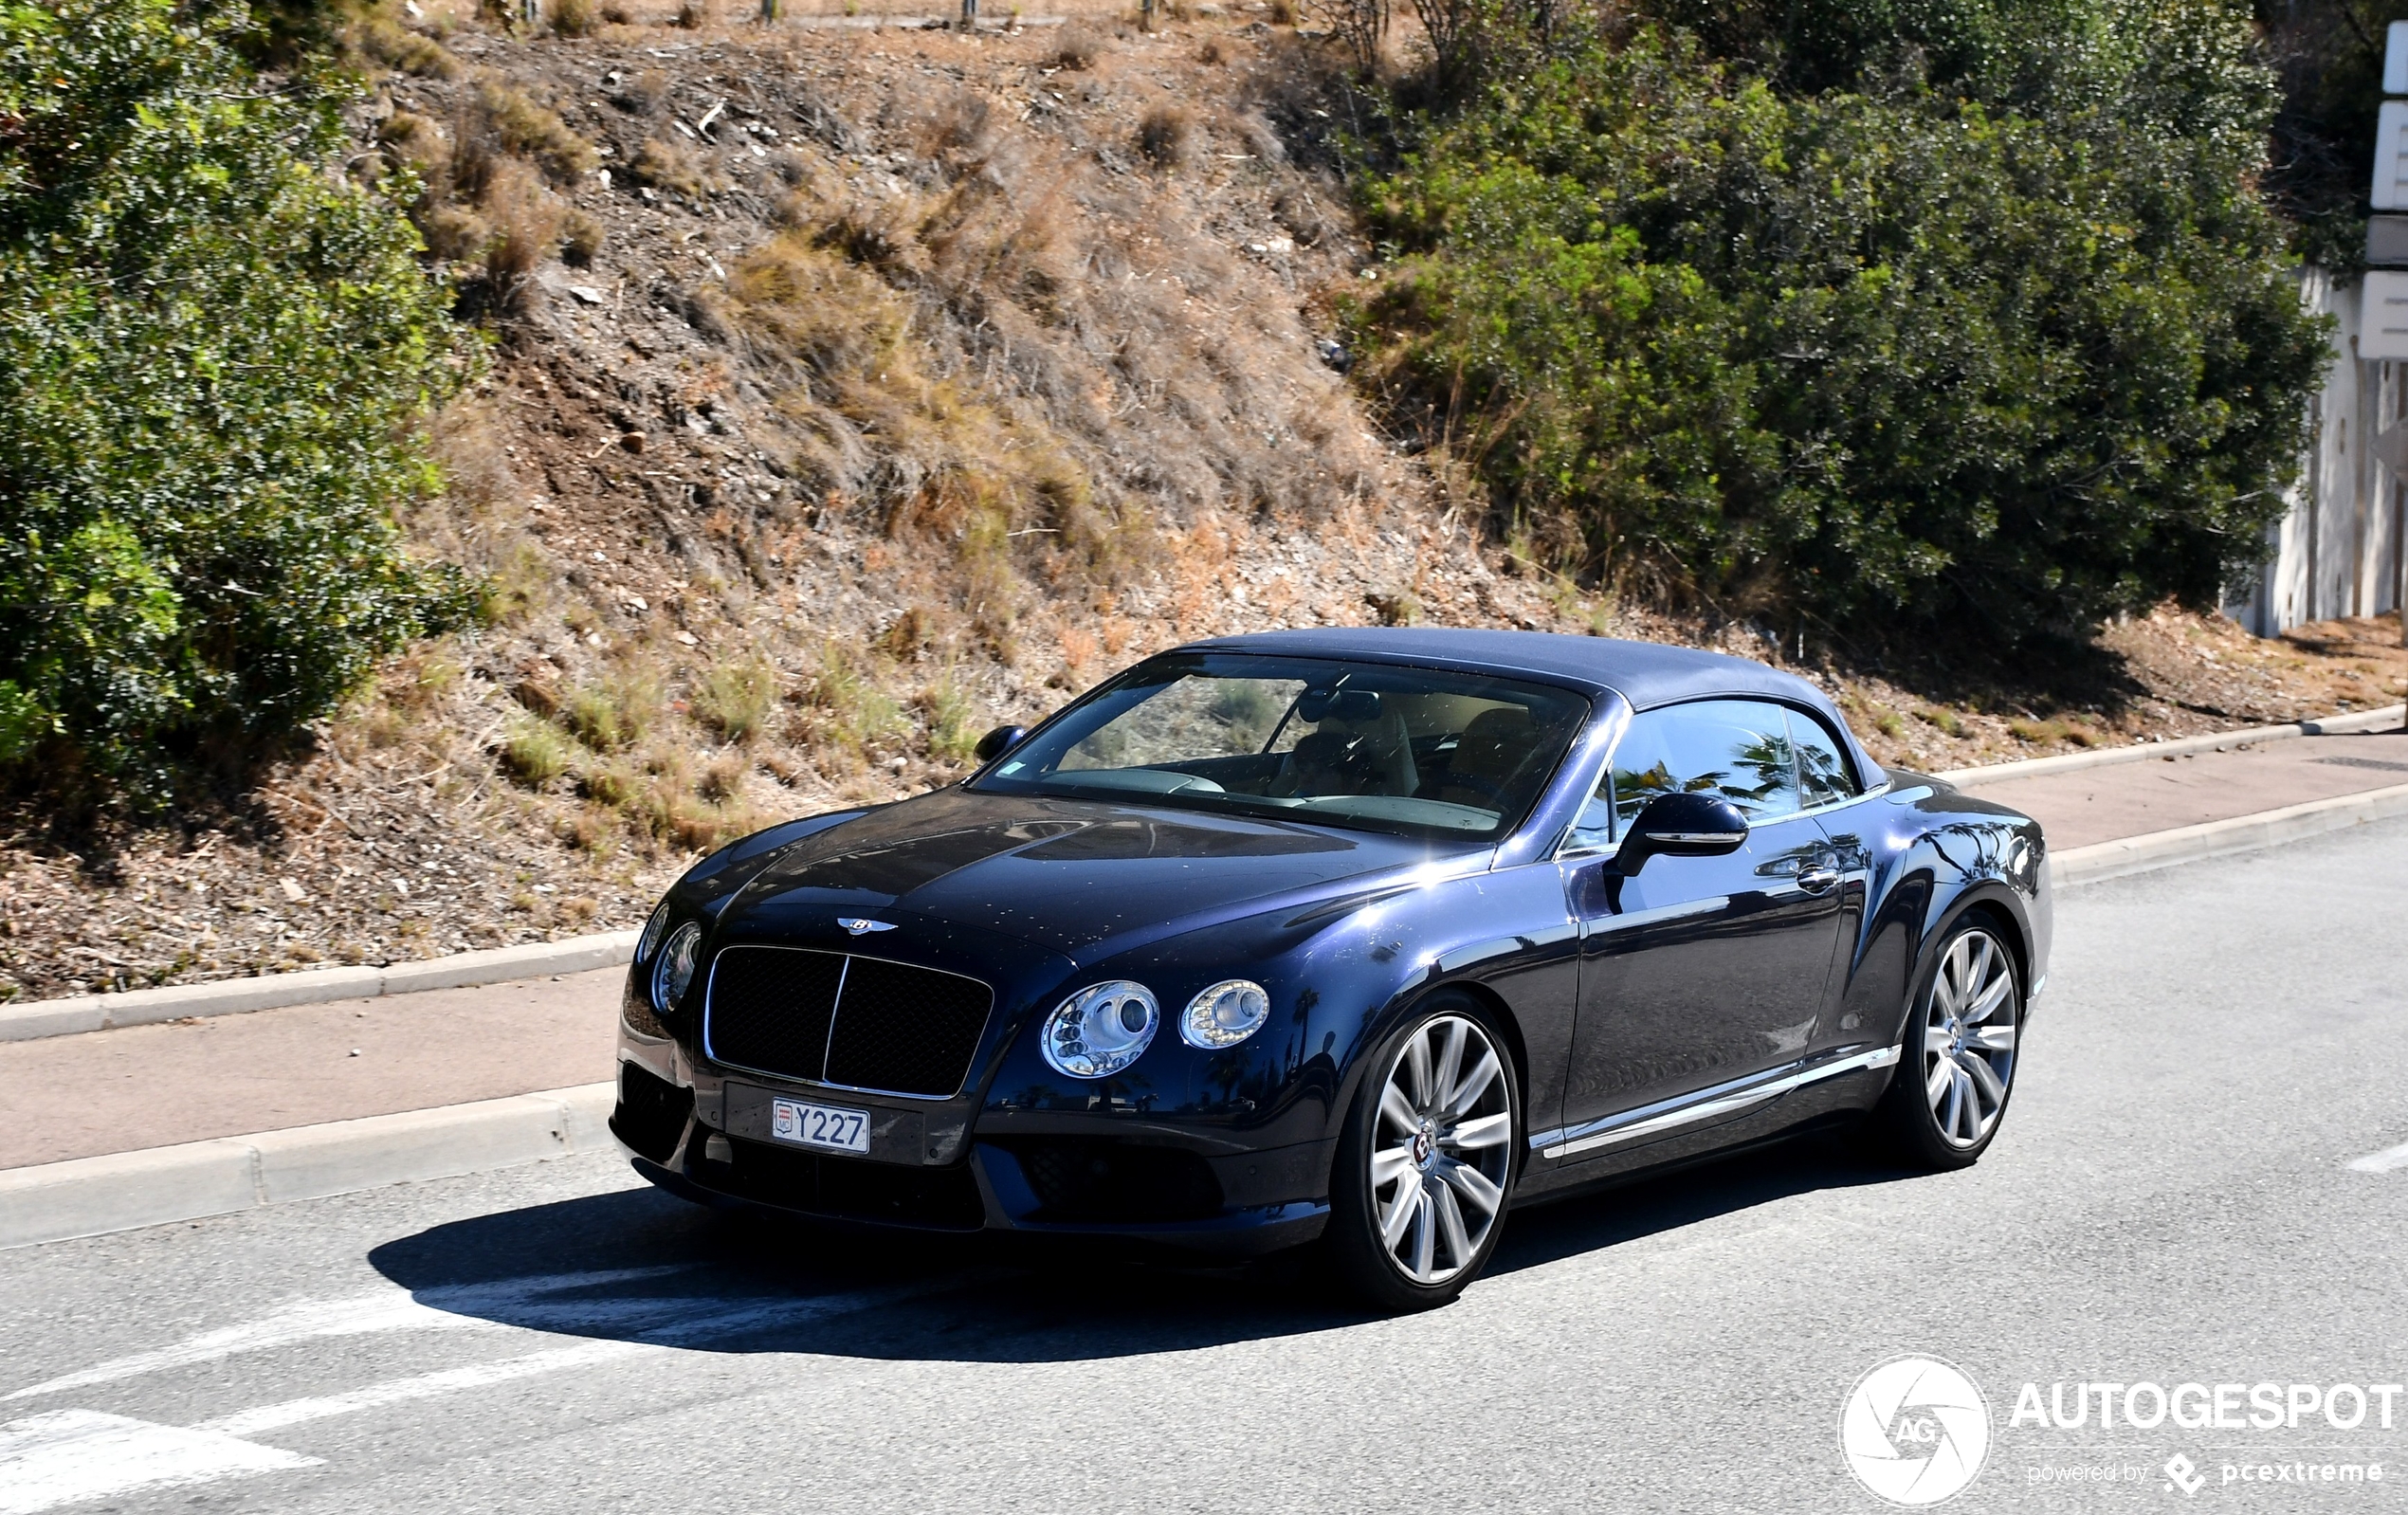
(652, 1113)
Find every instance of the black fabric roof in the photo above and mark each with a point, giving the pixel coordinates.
(1644, 673)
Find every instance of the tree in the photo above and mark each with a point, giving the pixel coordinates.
(2004, 356)
(214, 355)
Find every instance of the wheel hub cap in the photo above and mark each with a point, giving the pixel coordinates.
(1970, 1032)
(1442, 1148)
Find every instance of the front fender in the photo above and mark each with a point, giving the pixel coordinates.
(1339, 981)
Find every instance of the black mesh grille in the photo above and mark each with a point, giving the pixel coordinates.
(909, 1029)
(1113, 1180)
(912, 1030)
(652, 1113)
(769, 1008)
(847, 1188)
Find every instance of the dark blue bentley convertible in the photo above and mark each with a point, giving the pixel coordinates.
(1348, 937)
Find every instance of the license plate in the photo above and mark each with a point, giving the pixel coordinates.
(819, 1125)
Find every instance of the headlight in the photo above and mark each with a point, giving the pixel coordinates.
(649, 943)
(1101, 1030)
(675, 970)
(1225, 1014)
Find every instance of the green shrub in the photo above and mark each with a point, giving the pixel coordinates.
(215, 356)
(1997, 359)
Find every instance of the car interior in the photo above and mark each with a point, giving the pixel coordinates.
(1401, 747)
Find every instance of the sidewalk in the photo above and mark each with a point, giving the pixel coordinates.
(2109, 803)
(146, 1087)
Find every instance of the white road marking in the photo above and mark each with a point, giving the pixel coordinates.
(423, 1386)
(717, 1319)
(2384, 1161)
(69, 1455)
(460, 1307)
(65, 1456)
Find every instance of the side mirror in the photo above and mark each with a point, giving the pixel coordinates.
(1682, 826)
(996, 742)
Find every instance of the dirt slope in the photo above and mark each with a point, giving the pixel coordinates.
(852, 391)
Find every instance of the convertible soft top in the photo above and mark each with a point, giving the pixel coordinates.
(1644, 673)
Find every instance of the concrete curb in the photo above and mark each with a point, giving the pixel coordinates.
(234, 996)
(2239, 833)
(2385, 719)
(93, 1196)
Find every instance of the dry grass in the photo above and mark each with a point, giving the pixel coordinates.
(574, 18)
(525, 222)
(381, 35)
(529, 129)
(1166, 136)
(734, 699)
(664, 165)
(534, 753)
(1077, 46)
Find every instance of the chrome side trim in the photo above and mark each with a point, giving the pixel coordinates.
(1877, 792)
(1687, 1109)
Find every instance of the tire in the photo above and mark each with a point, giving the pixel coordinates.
(1418, 1195)
(1957, 1054)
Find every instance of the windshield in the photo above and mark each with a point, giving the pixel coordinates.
(1410, 751)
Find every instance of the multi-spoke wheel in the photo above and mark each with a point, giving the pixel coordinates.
(1958, 1060)
(1420, 1190)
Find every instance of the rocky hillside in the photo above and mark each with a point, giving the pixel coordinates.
(851, 389)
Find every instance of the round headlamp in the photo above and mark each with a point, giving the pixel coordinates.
(654, 930)
(1225, 1014)
(675, 969)
(1101, 1030)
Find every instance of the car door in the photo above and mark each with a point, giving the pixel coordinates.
(1700, 970)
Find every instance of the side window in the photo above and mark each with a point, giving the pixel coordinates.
(1736, 748)
(1739, 749)
(1823, 775)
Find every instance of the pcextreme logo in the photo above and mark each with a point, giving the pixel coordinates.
(1914, 1431)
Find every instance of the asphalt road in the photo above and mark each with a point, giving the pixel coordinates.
(2171, 1202)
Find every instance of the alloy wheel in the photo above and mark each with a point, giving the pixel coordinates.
(1969, 1037)
(1441, 1149)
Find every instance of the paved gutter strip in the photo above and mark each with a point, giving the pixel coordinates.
(234, 996)
(92, 1197)
(2385, 719)
(2238, 833)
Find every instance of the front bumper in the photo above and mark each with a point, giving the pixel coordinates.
(706, 1137)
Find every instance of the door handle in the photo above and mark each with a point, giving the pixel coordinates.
(1817, 880)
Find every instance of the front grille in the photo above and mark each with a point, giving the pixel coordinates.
(861, 1022)
(770, 1008)
(906, 1028)
(1102, 1179)
(847, 1188)
(652, 1113)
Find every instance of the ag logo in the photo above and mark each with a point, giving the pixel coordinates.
(1914, 1431)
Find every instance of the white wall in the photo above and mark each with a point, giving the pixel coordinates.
(2337, 552)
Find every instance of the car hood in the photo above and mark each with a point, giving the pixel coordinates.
(1070, 876)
